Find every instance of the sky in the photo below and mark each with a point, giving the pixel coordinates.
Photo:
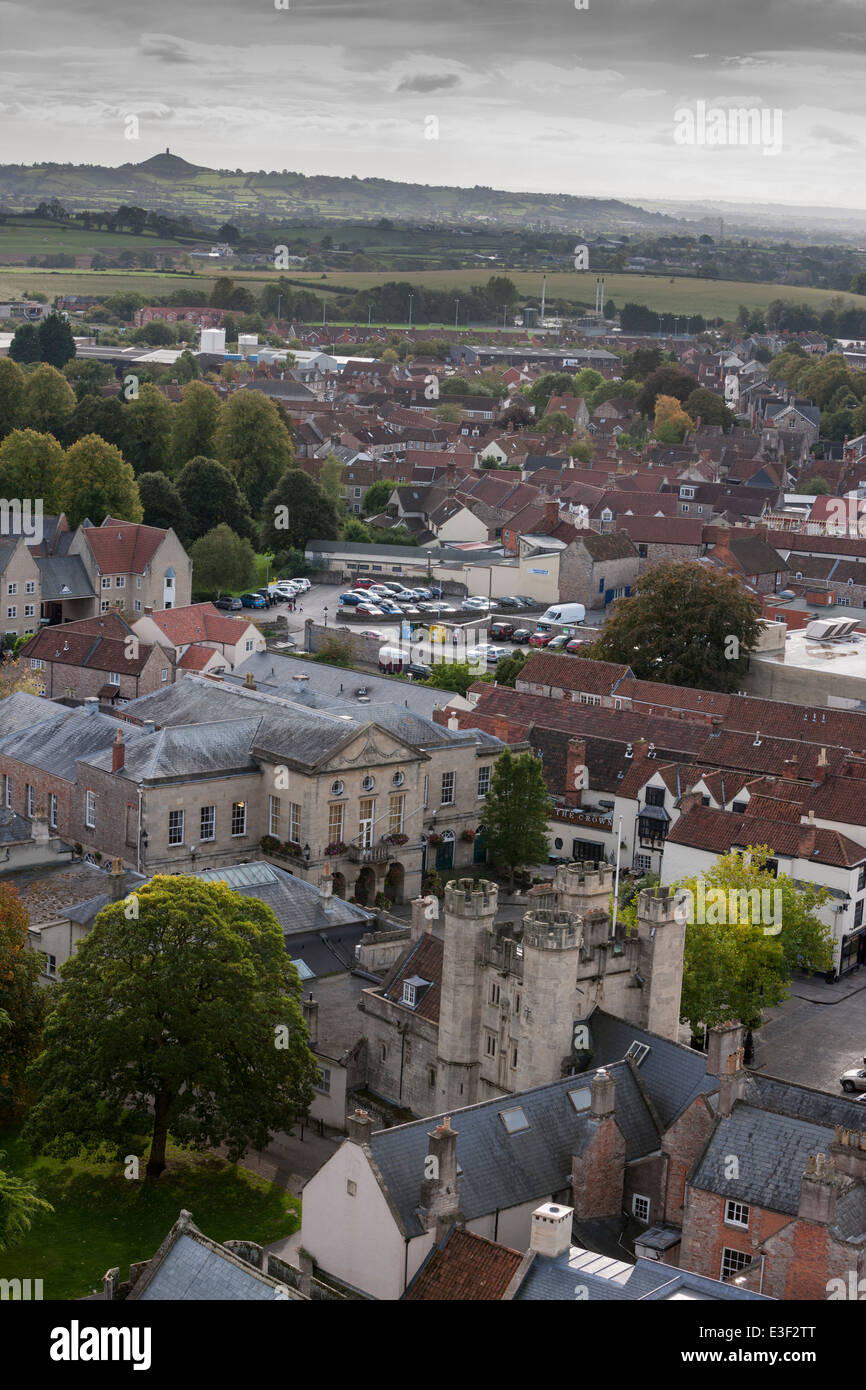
(535, 95)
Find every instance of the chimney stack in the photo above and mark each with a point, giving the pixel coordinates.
(550, 1233)
(848, 1152)
(821, 766)
(440, 1199)
(249, 681)
(310, 1007)
(117, 881)
(424, 913)
(359, 1127)
(808, 836)
(118, 752)
(819, 1189)
(576, 775)
(602, 1090)
(726, 1039)
(732, 1082)
(789, 770)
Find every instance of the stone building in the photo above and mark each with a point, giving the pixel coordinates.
(490, 1009)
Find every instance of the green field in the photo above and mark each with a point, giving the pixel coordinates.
(22, 238)
(682, 295)
(102, 1220)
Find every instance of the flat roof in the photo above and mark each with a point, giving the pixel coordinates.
(843, 658)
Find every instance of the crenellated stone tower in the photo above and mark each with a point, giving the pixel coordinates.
(470, 911)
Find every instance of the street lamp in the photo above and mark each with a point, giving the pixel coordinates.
(307, 853)
(411, 297)
(325, 615)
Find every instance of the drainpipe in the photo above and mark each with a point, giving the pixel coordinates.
(139, 829)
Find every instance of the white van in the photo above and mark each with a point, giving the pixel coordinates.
(563, 613)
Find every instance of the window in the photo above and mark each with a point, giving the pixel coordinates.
(8, 787)
(398, 779)
(448, 781)
(368, 783)
(644, 862)
(90, 810)
(484, 780)
(336, 812)
(50, 964)
(337, 788)
(106, 582)
(207, 823)
(637, 1052)
(274, 816)
(323, 1083)
(426, 788)
(581, 1099)
(514, 1054)
(351, 1187)
(736, 1214)
(175, 827)
(383, 1053)
(138, 582)
(408, 994)
(104, 606)
(396, 803)
(120, 582)
(655, 796)
(494, 992)
(114, 678)
(239, 818)
(684, 507)
(640, 1207)
(366, 818)
(490, 1044)
(29, 610)
(861, 879)
(248, 644)
(164, 674)
(739, 807)
(585, 699)
(137, 605)
(294, 822)
(12, 588)
(514, 1119)
(30, 586)
(858, 914)
(52, 810)
(12, 612)
(733, 1261)
(36, 665)
(28, 799)
(642, 551)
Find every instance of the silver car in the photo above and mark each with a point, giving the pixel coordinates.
(853, 1080)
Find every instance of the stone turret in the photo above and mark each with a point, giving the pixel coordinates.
(582, 888)
(470, 911)
(551, 944)
(661, 916)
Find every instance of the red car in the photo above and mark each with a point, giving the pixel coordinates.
(364, 583)
(540, 639)
(368, 610)
(575, 644)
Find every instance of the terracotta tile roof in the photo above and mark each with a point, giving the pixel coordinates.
(817, 724)
(64, 648)
(196, 658)
(572, 673)
(662, 530)
(615, 545)
(719, 831)
(465, 1267)
(122, 547)
(766, 754)
(670, 736)
(198, 622)
(768, 808)
(656, 696)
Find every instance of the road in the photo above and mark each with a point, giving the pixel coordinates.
(817, 1034)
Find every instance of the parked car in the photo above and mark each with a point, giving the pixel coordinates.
(230, 605)
(421, 593)
(556, 644)
(372, 633)
(286, 588)
(388, 606)
(369, 610)
(436, 607)
(269, 596)
(479, 653)
(351, 600)
(502, 631)
(541, 639)
(475, 605)
(364, 583)
(575, 644)
(521, 635)
(495, 655)
(303, 584)
(416, 670)
(253, 601)
(400, 593)
(853, 1080)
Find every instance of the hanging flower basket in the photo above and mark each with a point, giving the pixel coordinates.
(468, 836)
(292, 849)
(434, 838)
(335, 847)
(396, 838)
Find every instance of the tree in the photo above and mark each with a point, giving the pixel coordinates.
(376, 496)
(196, 417)
(178, 1014)
(252, 440)
(816, 487)
(11, 395)
(739, 959)
(709, 407)
(517, 812)
(97, 415)
(56, 343)
(671, 423)
(19, 1203)
(296, 511)
(209, 494)
(330, 478)
(30, 465)
(665, 381)
(147, 430)
(49, 401)
(456, 676)
(509, 668)
(160, 500)
(25, 346)
(95, 481)
(222, 560)
(684, 624)
(354, 530)
(557, 422)
(22, 1001)
(85, 375)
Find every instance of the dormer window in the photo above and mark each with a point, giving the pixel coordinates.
(408, 994)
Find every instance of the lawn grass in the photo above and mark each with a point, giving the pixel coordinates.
(103, 1220)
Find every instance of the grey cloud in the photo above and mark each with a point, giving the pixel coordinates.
(433, 83)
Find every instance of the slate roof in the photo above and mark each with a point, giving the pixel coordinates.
(195, 1269)
(21, 710)
(192, 750)
(501, 1170)
(464, 1267)
(423, 961)
(63, 577)
(276, 675)
(14, 829)
(56, 745)
(672, 1073)
(610, 1280)
(298, 906)
(772, 1148)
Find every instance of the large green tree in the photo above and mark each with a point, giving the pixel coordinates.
(196, 418)
(517, 813)
(210, 495)
(56, 343)
(95, 481)
(376, 496)
(252, 440)
(30, 465)
(297, 510)
(740, 958)
(97, 415)
(25, 346)
(683, 624)
(19, 1202)
(179, 1014)
(222, 560)
(48, 402)
(22, 1001)
(160, 500)
(11, 395)
(147, 430)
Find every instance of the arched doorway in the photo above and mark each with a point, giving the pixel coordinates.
(394, 880)
(339, 885)
(365, 886)
(479, 848)
(445, 851)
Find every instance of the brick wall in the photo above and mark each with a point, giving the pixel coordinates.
(598, 1173)
(683, 1142)
(705, 1233)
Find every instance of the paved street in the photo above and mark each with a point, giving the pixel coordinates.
(816, 1034)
